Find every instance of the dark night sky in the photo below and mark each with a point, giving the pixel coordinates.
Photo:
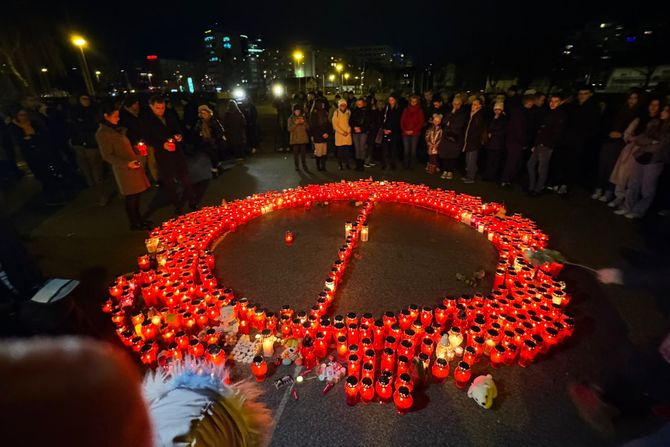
(429, 31)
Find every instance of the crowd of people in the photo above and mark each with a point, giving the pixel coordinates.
(143, 142)
(544, 142)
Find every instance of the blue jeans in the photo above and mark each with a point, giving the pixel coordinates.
(538, 164)
(471, 165)
(642, 187)
(360, 143)
(409, 143)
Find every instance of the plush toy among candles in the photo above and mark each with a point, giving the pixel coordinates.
(174, 306)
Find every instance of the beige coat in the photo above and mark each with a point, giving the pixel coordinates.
(116, 150)
(341, 125)
(298, 130)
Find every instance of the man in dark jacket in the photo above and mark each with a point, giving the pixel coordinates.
(549, 133)
(517, 138)
(495, 144)
(360, 125)
(163, 133)
(84, 120)
(573, 155)
(474, 135)
(283, 107)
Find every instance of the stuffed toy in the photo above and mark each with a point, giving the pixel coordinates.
(483, 390)
(290, 352)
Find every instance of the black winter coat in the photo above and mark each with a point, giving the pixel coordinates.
(84, 123)
(392, 120)
(550, 128)
(132, 125)
(474, 132)
(582, 125)
(516, 136)
(360, 118)
(156, 133)
(454, 132)
(319, 124)
(496, 133)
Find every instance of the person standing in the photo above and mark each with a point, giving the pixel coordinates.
(518, 136)
(549, 133)
(454, 129)
(283, 107)
(164, 134)
(83, 126)
(235, 126)
(613, 145)
(360, 123)
(252, 132)
(130, 119)
(583, 120)
(495, 145)
(298, 128)
(391, 132)
(651, 155)
(32, 138)
(411, 125)
(319, 126)
(472, 140)
(210, 137)
(342, 129)
(117, 150)
(434, 139)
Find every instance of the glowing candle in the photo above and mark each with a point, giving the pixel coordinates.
(215, 355)
(440, 370)
(527, 353)
(365, 233)
(403, 400)
(259, 368)
(462, 375)
(427, 346)
(497, 356)
(288, 237)
(353, 365)
(383, 388)
(144, 262)
(347, 228)
(368, 370)
(195, 348)
(402, 365)
(342, 349)
(351, 389)
(268, 343)
(366, 389)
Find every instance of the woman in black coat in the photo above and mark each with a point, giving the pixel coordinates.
(391, 130)
(495, 146)
(454, 132)
(236, 129)
(320, 131)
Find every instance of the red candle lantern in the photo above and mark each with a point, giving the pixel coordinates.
(510, 353)
(388, 360)
(402, 399)
(215, 354)
(389, 320)
(182, 340)
(353, 365)
(366, 389)
(470, 355)
(462, 374)
(144, 262)
(440, 370)
(368, 370)
(288, 237)
(352, 333)
(441, 315)
(378, 335)
(427, 346)
(367, 319)
(342, 350)
(405, 320)
(351, 389)
(413, 311)
(243, 327)
(195, 348)
(148, 330)
(383, 388)
(426, 316)
(259, 368)
(308, 355)
(148, 353)
(527, 353)
(391, 342)
(320, 347)
(497, 356)
(404, 379)
(402, 365)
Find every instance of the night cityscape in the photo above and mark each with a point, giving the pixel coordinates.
(352, 223)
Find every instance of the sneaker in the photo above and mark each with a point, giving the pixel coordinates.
(552, 188)
(597, 194)
(604, 198)
(445, 175)
(663, 213)
(467, 180)
(367, 165)
(372, 163)
(614, 203)
(621, 212)
(631, 215)
(505, 185)
(563, 189)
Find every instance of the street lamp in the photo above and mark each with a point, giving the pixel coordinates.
(346, 78)
(150, 75)
(339, 67)
(80, 43)
(97, 75)
(298, 57)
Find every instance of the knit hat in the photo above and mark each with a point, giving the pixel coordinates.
(499, 105)
(437, 115)
(206, 108)
(341, 101)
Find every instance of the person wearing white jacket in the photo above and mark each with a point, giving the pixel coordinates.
(343, 140)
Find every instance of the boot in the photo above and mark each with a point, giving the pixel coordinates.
(323, 163)
(359, 165)
(318, 163)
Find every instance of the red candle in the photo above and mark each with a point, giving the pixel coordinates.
(288, 237)
(389, 320)
(353, 365)
(403, 400)
(510, 353)
(427, 346)
(368, 370)
(383, 388)
(342, 350)
(366, 389)
(426, 316)
(440, 370)
(388, 360)
(308, 355)
(378, 335)
(441, 314)
(462, 374)
(243, 327)
(497, 356)
(195, 348)
(148, 330)
(470, 355)
(406, 348)
(148, 353)
(390, 342)
(404, 379)
(259, 368)
(182, 340)
(215, 354)
(405, 319)
(351, 389)
(144, 262)
(402, 365)
(527, 353)
(352, 333)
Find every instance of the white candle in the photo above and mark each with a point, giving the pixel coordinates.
(365, 233)
(269, 346)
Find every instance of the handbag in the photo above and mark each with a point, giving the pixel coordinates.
(379, 138)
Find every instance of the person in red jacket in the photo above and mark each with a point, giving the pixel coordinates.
(411, 124)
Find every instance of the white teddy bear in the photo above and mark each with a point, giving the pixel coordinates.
(483, 390)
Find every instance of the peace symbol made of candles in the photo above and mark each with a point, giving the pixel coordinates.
(171, 307)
